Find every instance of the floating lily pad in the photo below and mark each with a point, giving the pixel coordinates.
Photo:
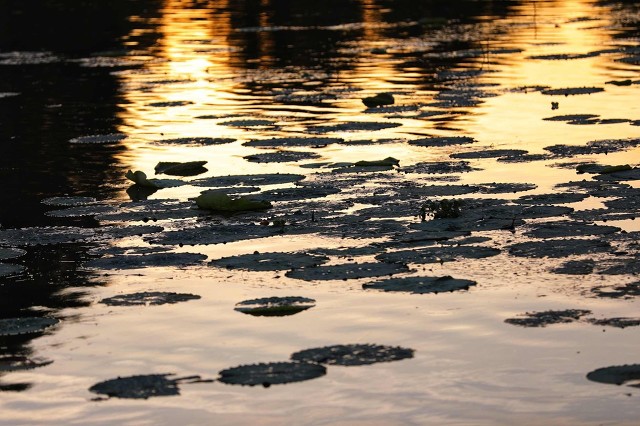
(421, 285)
(281, 157)
(542, 319)
(220, 202)
(149, 298)
(564, 56)
(81, 211)
(11, 253)
(169, 104)
(625, 291)
(8, 269)
(273, 373)
(292, 142)
(439, 141)
(140, 178)
(25, 325)
(575, 267)
(248, 180)
(572, 91)
(45, 235)
(617, 375)
(138, 387)
(68, 201)
(347, 271)
(19, 363)
(99, 139)
(568, 229)
(190, 168)
(353, 126)
(213, 234)
(389, 161)
(604, 146)
(195, 141)
(350, 355)
(490, 153)
(622, 175)
(301, 193)
(248, 123)
(555, 198)
(145, 261)
(616, 322)
(378, 100)
(275, 306)
(558, 248)
(440, 167)
(269, 261)
(438, 254)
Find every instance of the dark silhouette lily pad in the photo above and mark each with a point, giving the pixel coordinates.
(99, 139)
(617, 375)
(19, 363)
(281, 157)
(139, 387)
(273, 373)
(68, 201)
(490, 153)
(292, 142)
(572, 91)
(349, 355)
(45, 235)
(269, 261)
(11, 253)
(195, 141)
(618, 322)
(275, 306)
(542, 319)
(568, 229)
(421, 285)
(622, 291)
(189, 168)
(218, 201)
(149, 298)
(8, 269)
(134, 261)
(438, 254)
(248, 180)
(25, 325)
(439, 141)
(353, 126)
(347, 271)
(558, 248)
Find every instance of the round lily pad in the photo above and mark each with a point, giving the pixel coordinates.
(568, 229)
(617, 322)
(558, 248)
(572, 91)
(195, 141)
(575, 267)
(292, 142)
(68, 201)
(8, 269)
(169, 104)
(44, 235)
(281, 157)
(622, 291)
(138, 387)
(25, 325)
(421, 285)
(617, 375)
(273, 373)
(147, 260)
(11, 253)
(248, 123)
(214, 234)
(349, 355)
(99, 139)
(438, 141)
(149, 298)
(18, 363)
(269, 261)
(489, 153)
(354, 126)
(439, 167)
(248, 180)
(275, 306)
(438, 254)
(347, 271)
(542, 319)
(556, 198)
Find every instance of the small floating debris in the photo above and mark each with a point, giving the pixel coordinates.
(617, 375)
(99, 139)
(572, 91)
(142, 386)
(9, 269)
(542, 319)
(25, 325)
(618, 322)
(190, 168)
(355, 354)
(269, 261)
(220, 202)
(19, 363)
(440, 141)
(147, 298)
(378, 100)
(275, 306)
(195, 141)
(272, 373)
(421, 285)
(347, 271)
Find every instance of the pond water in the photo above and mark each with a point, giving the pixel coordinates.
(463, 253)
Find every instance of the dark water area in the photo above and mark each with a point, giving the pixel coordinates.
(90, 90)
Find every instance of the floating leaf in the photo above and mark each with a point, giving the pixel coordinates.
(378, 100)
(138, 387)
(135, 261)
(219, 201)
(273, 373)
(269, 261)
(11, 253)
(25, 325)
(149, 298)
(389, 161)
(617, 375)
(347, 271)
(421, 285)
(190, 168)
(350, 355)
(275, 306)
(542, 319)
(7, 269)
(18, 363)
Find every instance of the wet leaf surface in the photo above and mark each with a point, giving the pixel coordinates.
(149, 298)
(134, 261)
(138, 387)
(273, 373)
(420, 285)
(274, 261)
(275, 306)
(347, 271)
(351, 355)
(558, 248)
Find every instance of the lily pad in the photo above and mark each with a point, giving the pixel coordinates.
(440, 167)
(25, 325)
(347, 271)
(248, 123)
(575, 267)
(8, 269)
(195, 141)
(248, 180)
(621, 175)
(301, 193)
(439, 141)
(19, 363)
(220, 202)
(145, 261)
(11, 253)
(213, 234)
(542, 319)
(149, 298)
(273, 373)
(555, 198)
(421, 285)
(389, 161)
(618, 322)
(378, 100)
(138, 387)
(355, 354)
(558, 248)
(166, 104)
(190, 168)
(490, 153)
(68, 201)
(617, 375)
(269, 261)
(44, 235)
(99, 139)
(81, 211)
(275, 306)
(292, 142)
(572, 91)
(568, 229)
(625, 291)
(140, 178)
(353, 126)
(281, 157)
(438, 254)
